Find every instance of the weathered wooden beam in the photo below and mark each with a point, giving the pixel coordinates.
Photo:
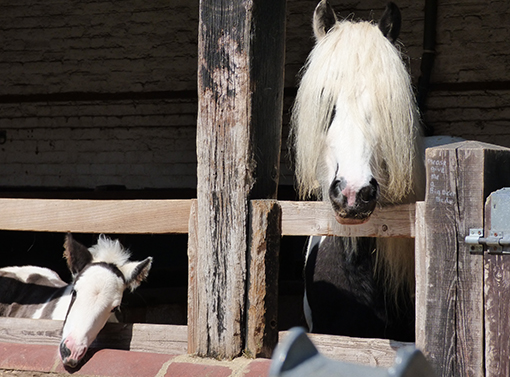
(497, 295)
(195, 322)
(316, 218)
(365, 351)
(459, 178)
(263, 266)
(95, 216)
(240, 62)
(170, 339)
(165, 339)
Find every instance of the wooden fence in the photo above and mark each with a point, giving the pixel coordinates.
(462, 322)
(270, 219)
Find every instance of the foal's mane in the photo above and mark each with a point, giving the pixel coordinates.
(109, 251)
(355, 57)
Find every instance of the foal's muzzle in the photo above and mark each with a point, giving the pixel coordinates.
(69, 358)
(353, 206)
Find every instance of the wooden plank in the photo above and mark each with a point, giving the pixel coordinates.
(170, 339)
(165, 339)
(316, 218)
(497, 307)
(482, 168)
(457, 182)
(267, 74)
(194, 285)
(95, 216)
(469, 214)
(224, 176)
(440, 279)
(263, 266)
(497, 276)
(372, 352)
(237, 154)
(422, 289)
(171, 216)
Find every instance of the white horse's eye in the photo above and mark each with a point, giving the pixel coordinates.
(115, 309)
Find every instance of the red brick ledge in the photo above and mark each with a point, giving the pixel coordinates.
(117, 363)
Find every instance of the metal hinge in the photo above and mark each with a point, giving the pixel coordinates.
(497, 242)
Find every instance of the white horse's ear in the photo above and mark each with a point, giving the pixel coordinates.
(77, 255)
(390, 22)
(324, 19)
(136, 272)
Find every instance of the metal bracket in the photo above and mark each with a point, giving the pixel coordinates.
(498, 241)
(475, 247)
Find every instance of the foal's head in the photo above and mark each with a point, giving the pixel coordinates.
(101, 274)
(354, 122)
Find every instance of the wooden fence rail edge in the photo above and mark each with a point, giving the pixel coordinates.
(172, 340)
(95, 216)
(172, 216)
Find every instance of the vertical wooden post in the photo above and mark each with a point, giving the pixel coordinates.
(497, 293)
(262, 303)
(240, 90)
(450, 327)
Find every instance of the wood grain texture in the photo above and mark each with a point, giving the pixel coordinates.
(95, 216)
(439, 312)
(421, 264)
(459, 178)
(171, 340)
(225, 176)
(373, 352)
(238, 146)
(496, 275)
(469, 305)
(497, 308)
(165, 339)
(263, 268)
(194, 321)
(316, 218)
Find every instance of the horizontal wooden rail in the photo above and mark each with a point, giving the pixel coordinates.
(165, 339)
(172, 340)
(316, 218)
(172, 216)
(365, 351)
(95, 216)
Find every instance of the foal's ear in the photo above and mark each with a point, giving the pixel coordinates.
(136, 272)
(324, 19)
(76, 255)
(390, 22)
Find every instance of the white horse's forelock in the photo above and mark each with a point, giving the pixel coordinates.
(355, 57)
(109, 251)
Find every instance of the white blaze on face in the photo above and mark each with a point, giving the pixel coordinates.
(98, 291)
(349, 150)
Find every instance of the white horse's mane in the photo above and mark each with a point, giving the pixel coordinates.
(109, 251)
(354, 57)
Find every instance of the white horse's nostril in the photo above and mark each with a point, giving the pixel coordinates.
(369, 193)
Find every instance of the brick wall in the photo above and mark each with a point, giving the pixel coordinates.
(471, 82)
(97, 92)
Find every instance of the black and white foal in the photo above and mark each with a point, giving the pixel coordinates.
(100, 276)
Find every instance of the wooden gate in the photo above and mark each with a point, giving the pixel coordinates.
(462, 299)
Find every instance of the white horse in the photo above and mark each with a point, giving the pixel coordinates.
(100, 276)
(356, 140)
